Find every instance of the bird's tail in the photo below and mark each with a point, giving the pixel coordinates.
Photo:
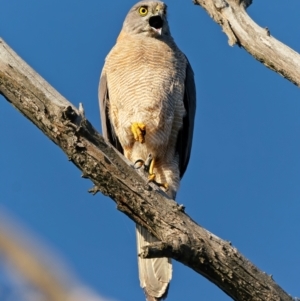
(155, 274)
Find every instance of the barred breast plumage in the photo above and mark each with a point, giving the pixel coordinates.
(145, 79)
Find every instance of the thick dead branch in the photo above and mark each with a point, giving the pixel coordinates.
(182, 238)
(242, 30)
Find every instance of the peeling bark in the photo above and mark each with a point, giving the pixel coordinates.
(181, 238)
(240, 29)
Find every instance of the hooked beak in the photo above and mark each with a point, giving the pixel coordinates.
(156, 23)
(158, 30)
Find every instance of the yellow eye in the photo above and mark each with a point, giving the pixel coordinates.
(143, 11)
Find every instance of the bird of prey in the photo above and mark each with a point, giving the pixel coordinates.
(147, 102)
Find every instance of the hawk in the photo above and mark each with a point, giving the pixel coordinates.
(147, 102)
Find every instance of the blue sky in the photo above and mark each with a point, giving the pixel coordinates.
(242, 183)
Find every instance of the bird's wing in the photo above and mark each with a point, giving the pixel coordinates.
(107, 128)
(185, 135)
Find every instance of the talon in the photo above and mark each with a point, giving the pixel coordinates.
(147, 163)
(164, 185)
(139, 131)
(141, 163)
(151, 177)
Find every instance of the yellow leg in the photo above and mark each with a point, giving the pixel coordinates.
(151, 177)
(139, 131)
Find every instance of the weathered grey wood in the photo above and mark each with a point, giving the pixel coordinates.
(182, 239)
(259, 42)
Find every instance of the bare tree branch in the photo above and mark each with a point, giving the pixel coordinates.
(242, 30)
(182, 239)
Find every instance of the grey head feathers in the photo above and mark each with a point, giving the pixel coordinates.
(148, 18)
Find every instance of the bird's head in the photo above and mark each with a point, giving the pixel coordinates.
(148, 18)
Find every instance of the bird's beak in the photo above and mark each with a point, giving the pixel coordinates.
(158, 30)
(156, 22)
